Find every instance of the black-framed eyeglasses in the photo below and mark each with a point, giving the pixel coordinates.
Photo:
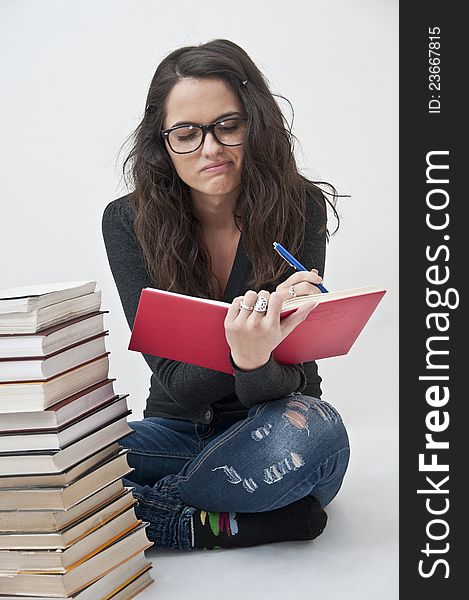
(183, 139)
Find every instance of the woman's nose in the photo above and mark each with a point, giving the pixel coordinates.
(211, 145)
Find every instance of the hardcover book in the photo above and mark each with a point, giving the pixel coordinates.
(81, 575)
(46, 316)
(27, 396)
(56, 520)
(61, 413)
(52, 339)
(32, 297)
(57, 461)
(45, 367)
(43, 440)
(122, 583)
(62, 560)
(191, 330)
(45, 480)
(63, 498)
(24, 539)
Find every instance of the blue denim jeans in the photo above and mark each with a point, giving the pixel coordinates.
(282, 451)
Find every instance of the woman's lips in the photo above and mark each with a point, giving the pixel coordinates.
(215, 168)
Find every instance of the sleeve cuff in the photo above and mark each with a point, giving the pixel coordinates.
(270, 382)
(238, 371)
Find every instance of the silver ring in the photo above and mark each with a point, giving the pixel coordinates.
(261, 304)
(291, 291)
(245, 306)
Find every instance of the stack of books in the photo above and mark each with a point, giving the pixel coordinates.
(67, 522)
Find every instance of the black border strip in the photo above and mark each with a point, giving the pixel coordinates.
(432, 261)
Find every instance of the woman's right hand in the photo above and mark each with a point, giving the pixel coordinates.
(302, 282)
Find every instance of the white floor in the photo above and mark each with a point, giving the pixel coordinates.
(355, 557)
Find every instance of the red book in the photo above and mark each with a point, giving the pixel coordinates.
(191, 330)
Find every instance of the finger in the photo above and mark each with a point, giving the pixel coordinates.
(307, 289)
(274, 308)
(301, 289)
(288, 324)
(300, 276)
(256, 315)
(249, 299)
(233, 310)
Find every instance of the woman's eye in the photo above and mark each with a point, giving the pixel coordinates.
(229, 127)
(185, 137)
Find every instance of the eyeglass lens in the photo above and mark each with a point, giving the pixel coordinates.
(230, 132)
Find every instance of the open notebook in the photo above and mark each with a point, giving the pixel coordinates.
(191, 330)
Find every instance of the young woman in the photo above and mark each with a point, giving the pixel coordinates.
(225, 460)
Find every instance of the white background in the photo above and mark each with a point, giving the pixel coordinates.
(75, 75)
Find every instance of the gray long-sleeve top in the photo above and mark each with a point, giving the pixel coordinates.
(183, 391)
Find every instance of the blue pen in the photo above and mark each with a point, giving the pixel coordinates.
(291, 260)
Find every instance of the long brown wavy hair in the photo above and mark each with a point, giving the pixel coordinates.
(272, 201)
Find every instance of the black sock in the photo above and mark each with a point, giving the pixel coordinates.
(302, 520)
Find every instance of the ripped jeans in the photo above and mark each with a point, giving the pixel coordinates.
(282, 451)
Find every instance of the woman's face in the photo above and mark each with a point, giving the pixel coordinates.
(201, 102)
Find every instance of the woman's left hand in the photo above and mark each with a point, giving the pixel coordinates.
(252, 335)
